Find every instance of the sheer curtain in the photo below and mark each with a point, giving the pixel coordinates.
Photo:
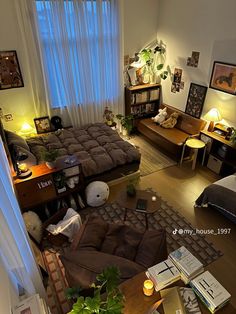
(15, 250)
(79, 47)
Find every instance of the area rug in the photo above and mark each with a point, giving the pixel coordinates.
(178, 229)
(57, 283)
(152, 159)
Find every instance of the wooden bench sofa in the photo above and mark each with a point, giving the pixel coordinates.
(171, 140)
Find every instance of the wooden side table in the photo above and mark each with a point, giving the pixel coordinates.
(194, 144)
(130, 203)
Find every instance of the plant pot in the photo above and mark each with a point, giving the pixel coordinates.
(50, 164)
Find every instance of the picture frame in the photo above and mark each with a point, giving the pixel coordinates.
(42, 125)
(10, 73)
(195, 101)
(223, 77)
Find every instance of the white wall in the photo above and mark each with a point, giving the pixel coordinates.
(140, 24)
(17, 101)
(204, 26)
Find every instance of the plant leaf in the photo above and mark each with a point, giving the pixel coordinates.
(160, 66)
(164, 75)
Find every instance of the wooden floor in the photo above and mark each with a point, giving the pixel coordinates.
(180, 186)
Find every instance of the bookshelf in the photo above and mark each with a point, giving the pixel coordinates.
(142, 101)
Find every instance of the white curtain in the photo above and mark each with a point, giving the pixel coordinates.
(79, 46)
(15, 250)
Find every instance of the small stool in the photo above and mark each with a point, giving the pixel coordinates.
(195, 144)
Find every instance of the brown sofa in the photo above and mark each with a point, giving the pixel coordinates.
(100, 244)
(172, 140)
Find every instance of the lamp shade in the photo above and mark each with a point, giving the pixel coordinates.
(26, 130)
(213, 115)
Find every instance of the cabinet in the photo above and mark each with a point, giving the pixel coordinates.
(221, 153)
(43, 186)
(142, 101)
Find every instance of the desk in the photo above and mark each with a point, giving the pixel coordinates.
(137, 303)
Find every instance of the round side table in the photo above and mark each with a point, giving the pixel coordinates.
(194, 144)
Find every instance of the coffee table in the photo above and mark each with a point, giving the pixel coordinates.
(136, 302)
(130, 203)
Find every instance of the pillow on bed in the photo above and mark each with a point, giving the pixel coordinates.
(14, 139)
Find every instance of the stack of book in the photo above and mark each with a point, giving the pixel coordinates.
(188, 265)
(163, 274)
(210, 291)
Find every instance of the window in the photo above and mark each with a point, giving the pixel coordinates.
(79, 43)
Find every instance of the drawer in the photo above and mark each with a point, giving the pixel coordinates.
(36, 191)
(214, 164)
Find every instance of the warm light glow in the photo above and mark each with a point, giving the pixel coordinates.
(148, 287)
(26, 130)
(213, 115)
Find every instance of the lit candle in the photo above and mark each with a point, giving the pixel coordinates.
(148, 287)
(154, 198)
(23, 167)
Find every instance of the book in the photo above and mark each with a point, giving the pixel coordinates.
(163, 274)
(210, 291)
(180, 300)
(188, 265)
(173, 302)
(189, 300)
(141, 205)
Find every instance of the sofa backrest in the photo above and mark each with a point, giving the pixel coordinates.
(185, 122)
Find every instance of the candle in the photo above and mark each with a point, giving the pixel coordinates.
(148, 287)
(154, 198)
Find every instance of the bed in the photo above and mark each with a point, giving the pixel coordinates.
(104, 155)
(220, 195)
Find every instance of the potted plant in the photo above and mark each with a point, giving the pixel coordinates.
(106, 298)
(50, 156)
(126, 122)
(131, 187)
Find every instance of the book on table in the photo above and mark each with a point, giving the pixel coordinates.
(210, 291)
(163, 274)
(188, 265)
(179, 300)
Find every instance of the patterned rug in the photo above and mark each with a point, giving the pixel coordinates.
(178, 229)
(57, 283)
(152, 159)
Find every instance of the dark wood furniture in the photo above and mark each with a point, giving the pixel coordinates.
(40, 188)
(221, 153)
(142, 101)
(136, 302)
(130, 203)
(171, 140)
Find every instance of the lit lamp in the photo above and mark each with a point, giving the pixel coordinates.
(21, 167)
(26, 130)
(213, 116)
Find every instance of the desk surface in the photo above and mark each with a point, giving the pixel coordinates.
(136, 302)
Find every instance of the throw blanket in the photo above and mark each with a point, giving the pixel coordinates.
(97, 146)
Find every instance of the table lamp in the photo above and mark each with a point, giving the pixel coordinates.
(26, 130)
(213, 116)
(21, 167)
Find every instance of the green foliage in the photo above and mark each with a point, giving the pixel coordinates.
(126, 121)
(131, 187)
(50, 155)
(233, 136)
(111, 302)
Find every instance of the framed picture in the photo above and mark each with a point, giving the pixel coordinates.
(223, 77)
(195, 101)
(42, 125)
(10, 74)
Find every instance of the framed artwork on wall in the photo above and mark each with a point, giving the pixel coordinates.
(223, 77)
(10, 73)
(42, 125)
(195, 101)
